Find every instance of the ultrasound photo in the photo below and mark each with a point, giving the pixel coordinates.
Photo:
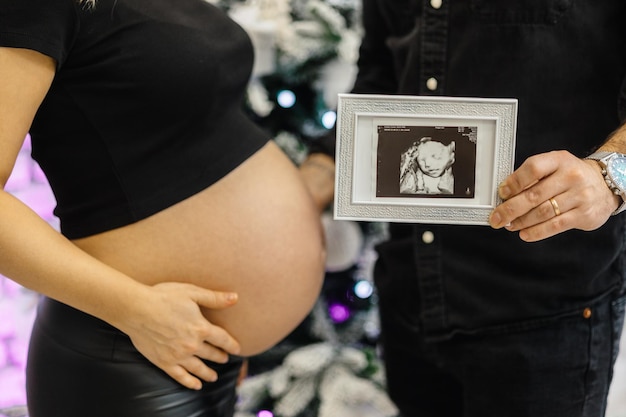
(426, 161)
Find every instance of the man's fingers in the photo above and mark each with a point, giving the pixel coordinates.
(524, 208)
(549, 228)
(542, 212)
(545, 220)
(528, 189)
(529, 173)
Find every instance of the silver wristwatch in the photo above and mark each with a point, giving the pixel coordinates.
(613, 167)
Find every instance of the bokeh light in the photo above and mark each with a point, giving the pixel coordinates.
(328, 119)
(286, 99)
(339, 313)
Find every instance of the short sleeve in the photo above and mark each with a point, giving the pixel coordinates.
(46, 26)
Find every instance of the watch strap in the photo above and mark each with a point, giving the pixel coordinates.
(602, 157)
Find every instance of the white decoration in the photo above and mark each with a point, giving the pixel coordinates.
(322, 370)
(331, 18)
(344, 242)
(336, 77)
(279, 382)
(353, 359)
(309, 359)
(258, 98)
(343, 394)
(252, 393)
(300, 394)
(262, 32)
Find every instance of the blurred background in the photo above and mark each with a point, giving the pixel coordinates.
(306, 52)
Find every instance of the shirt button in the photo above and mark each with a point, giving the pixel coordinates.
(431, 84)
(436, 4)
(428, 237)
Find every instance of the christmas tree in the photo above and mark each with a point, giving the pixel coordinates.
(306, 53)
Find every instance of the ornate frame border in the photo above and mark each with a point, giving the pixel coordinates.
(356, 155)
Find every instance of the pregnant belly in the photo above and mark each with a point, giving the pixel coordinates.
(255, 232)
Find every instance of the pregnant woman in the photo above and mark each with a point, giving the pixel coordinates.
(188, 240)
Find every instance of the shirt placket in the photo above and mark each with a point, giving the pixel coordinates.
(428, 245)
(434, 41)
(428, 258)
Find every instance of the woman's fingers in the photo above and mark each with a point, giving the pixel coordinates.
(170, 330)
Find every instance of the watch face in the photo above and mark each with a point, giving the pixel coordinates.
(616, 170)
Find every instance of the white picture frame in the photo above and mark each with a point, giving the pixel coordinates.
(470, 142)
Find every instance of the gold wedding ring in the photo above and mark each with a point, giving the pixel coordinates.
(555, 206)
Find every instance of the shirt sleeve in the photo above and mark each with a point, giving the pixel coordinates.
(46, 26)
(621, 102)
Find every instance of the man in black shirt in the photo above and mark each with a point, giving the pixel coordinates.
(522, 318)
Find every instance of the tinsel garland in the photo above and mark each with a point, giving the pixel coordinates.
(324, 380)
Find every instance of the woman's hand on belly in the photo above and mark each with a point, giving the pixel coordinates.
(171, 332)
(255, 232)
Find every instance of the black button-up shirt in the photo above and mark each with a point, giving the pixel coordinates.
(565, 60)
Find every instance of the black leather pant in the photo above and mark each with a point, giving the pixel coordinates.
(80, 366)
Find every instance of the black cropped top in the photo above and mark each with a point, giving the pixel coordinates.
(145, 109)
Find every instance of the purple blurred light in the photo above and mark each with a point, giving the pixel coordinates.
(265, 413)
(338, 312)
